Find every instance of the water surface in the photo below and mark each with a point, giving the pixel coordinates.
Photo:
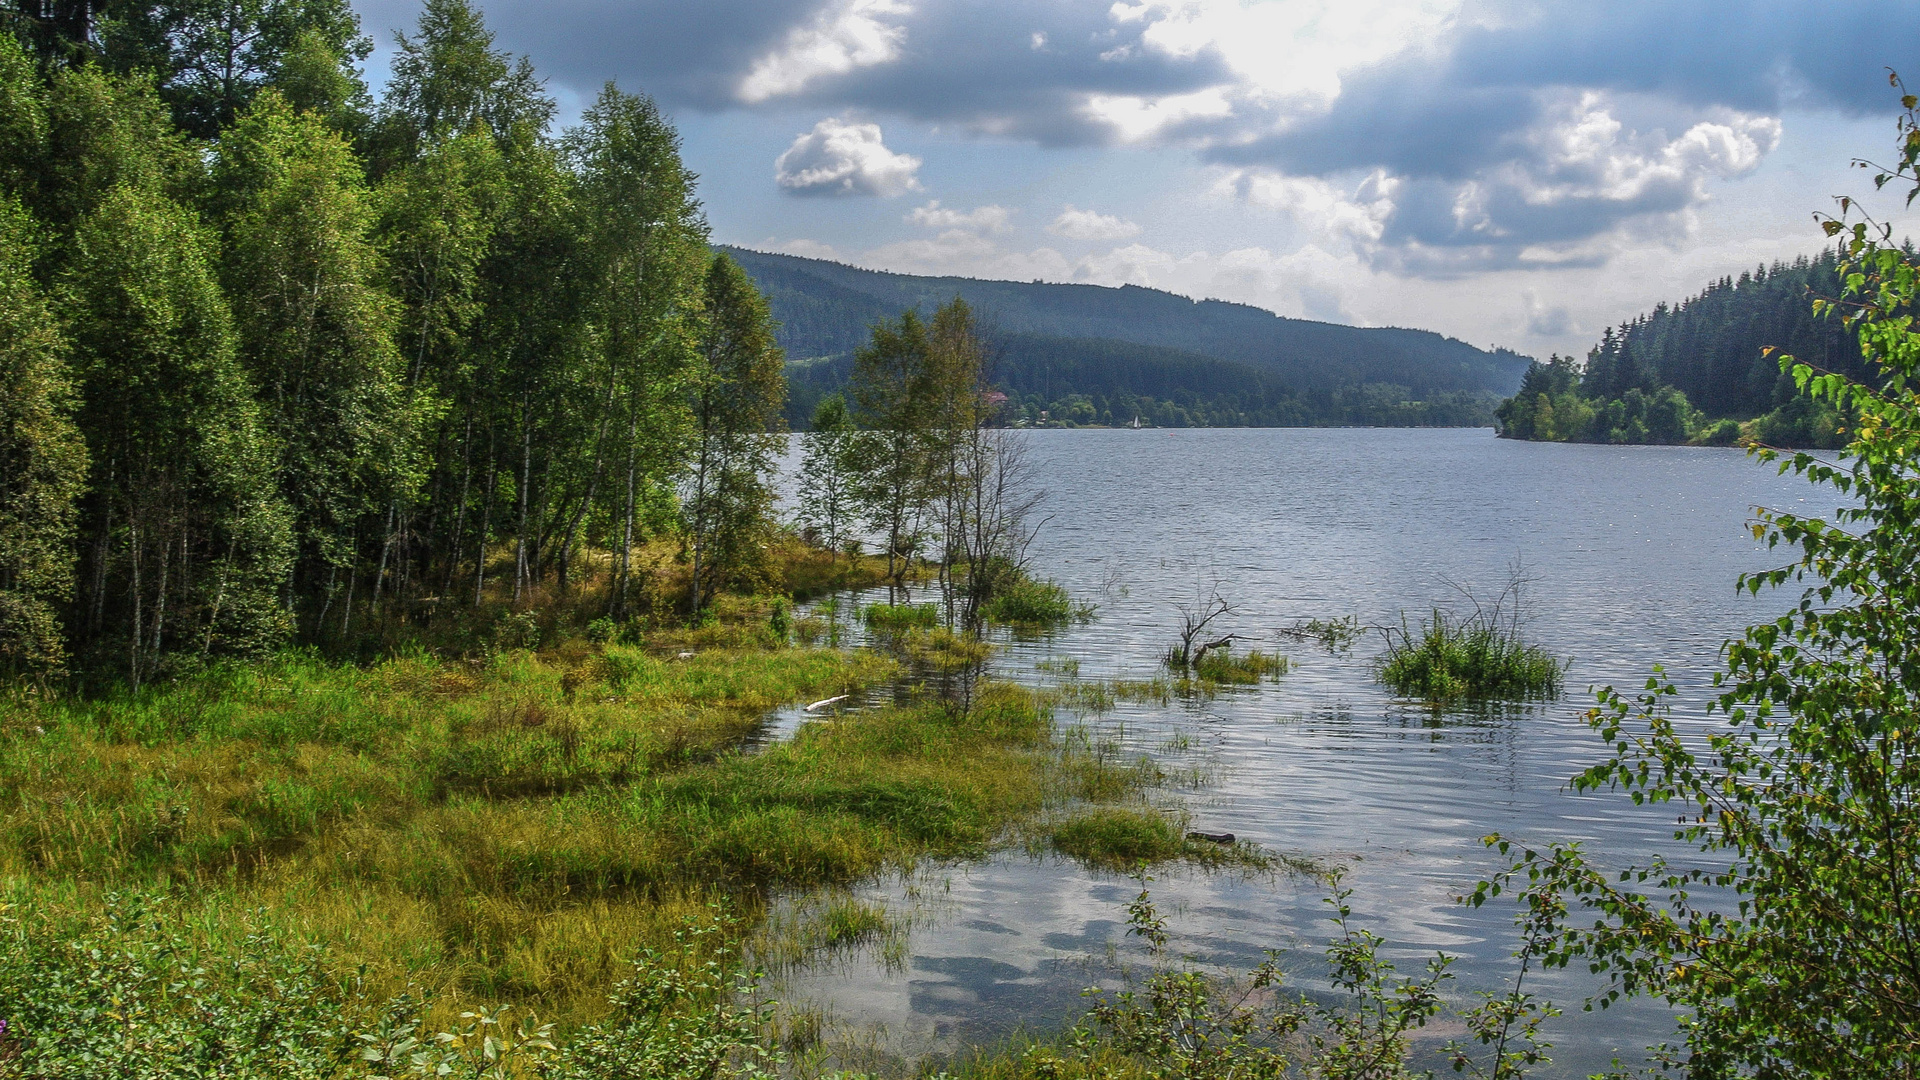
(1632, 553)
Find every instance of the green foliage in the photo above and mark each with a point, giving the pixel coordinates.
(1666, 376)
(1478, 656)
(317, 338)
(43, 462)
(188, 538)
(899, 617)
(829, 505)
(124, 991)
(893, 391)
(1788, 942)
(1033, 602)
(1189, 1024)
(737, 395)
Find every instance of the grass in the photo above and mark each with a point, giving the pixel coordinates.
(510, 827)
(899, 618)
(1239, 669)
(1450, 658)
(1125, 838)
(1033, 602)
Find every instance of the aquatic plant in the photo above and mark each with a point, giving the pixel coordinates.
(1223, 665)
(1123, 838)
(1034, 602)
(895, 618)
(1476, 656)
(1183, 1022)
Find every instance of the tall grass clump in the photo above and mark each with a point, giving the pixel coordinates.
(1450, 657)
(1033, 602)
(899, 618)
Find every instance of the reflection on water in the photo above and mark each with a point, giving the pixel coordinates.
(1633, 552)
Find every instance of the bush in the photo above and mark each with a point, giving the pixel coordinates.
(1475, 657)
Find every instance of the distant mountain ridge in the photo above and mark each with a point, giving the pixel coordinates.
(1100, 342)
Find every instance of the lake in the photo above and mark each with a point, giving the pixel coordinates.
(1631, 554)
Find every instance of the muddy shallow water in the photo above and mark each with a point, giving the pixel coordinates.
(1632, 554)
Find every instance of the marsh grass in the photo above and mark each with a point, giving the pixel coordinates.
(1123, 839)
(1032, 602)
(1480, 656)
(1226, 667)
(900, 618)
(513, 826)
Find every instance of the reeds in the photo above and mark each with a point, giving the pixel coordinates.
(1479, 656)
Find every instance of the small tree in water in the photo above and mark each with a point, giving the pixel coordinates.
(828, 505)
(1804, 958)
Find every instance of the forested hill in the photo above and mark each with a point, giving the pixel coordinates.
(1700, 370)
(1232, 362)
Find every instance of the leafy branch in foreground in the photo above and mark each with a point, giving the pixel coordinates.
(1792, 944)
(1188, 1024)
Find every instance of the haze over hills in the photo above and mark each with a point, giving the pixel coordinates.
(1139, 351)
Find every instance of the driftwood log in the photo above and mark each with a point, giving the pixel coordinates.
(1222, 643)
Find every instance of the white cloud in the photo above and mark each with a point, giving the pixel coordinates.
(855, 34)
(1076, 224)
(1136, 118)
(1317, 205)
(981, 219)
(1584, 151)
(842, 158)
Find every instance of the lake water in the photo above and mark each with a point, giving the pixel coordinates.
(1632, 553)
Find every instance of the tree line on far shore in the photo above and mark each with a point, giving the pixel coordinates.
(1704, 371)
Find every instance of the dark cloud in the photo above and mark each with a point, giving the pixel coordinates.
(975, 64)
(686, 52)
(1760, 55)
(960, 61)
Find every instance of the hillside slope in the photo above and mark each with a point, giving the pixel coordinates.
(825, 309)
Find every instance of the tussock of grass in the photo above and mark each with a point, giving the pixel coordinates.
(1118, 838)
(830, 923)
(1032, 602)
(1239, 669)
(1477, 657)
(898, 618)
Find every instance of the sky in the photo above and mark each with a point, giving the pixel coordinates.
(1517, 173)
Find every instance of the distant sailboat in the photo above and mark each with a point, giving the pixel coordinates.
(1136, 423)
